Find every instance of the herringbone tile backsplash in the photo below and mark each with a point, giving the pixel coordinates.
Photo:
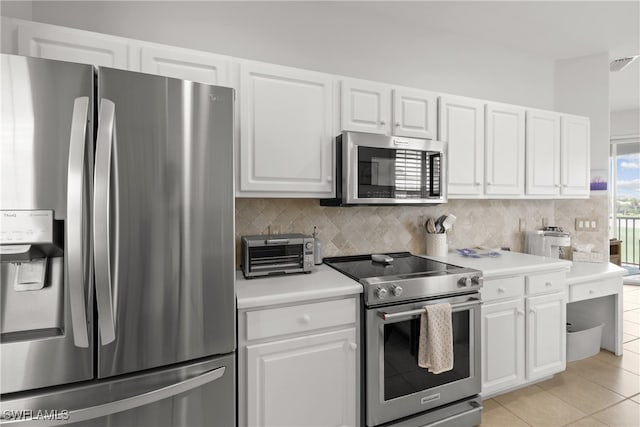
(371, 229)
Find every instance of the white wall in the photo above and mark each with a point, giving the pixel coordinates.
(625, 123)
(17, 9)
(582, 87)
(351, 39)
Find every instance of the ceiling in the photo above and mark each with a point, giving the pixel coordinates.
(552, 29)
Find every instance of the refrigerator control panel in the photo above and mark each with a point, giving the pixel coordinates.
(26, 227)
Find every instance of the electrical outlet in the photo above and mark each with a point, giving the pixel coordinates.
(586, 224)
(545, 222)
(522, 224)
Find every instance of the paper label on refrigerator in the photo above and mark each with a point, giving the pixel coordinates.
(26, 227)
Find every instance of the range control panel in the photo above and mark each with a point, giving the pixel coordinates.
(26, 227)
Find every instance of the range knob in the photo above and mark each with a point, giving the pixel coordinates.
(476, 280)
(464, 282)
(396, 290)
(381, 293)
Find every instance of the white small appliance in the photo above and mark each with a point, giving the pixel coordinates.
(549, 242)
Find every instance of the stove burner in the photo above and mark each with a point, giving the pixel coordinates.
(360, 267)
(407, 277)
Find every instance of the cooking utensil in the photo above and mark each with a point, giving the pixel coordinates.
(448, 222)
(430, 226)
(439, 221)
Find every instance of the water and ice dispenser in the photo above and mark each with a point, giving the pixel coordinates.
(32, 273)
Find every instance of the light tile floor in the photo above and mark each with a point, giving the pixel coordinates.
(603, 390)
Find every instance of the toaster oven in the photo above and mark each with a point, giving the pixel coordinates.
(265, 255)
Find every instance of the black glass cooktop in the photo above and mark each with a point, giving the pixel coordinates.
(404, 263)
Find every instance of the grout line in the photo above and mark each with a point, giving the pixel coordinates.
(512, 413)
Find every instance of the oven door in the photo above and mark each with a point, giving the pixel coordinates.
(396, 386)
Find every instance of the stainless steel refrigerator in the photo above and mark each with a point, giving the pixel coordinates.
(117, 238)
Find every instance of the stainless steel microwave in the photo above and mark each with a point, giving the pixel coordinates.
(266, 255)
(376, 169)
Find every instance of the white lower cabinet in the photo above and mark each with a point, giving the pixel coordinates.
(303, 381)
(502, 344)
(546, 335)
(298, 365)
(523, 330)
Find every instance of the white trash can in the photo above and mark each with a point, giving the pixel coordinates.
(583, 339)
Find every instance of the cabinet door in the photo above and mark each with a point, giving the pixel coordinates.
(285, 132)
(307, 381)
(543, 153)
(365, 106)
(504, 150)
(67, 44)
(462, 128)
(575, 143)
(185, 64)
(502, 345)
(414, 113)
(546, 335)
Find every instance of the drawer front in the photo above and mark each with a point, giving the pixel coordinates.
(596, 289)
(546, 282)
(300, 318)
(507, 287)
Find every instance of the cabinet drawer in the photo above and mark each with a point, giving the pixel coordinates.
(546, 282)
(300, 318)
(502, 288)
(594, 289)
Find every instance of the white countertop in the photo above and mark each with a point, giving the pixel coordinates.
(508, 263)
(323, 282)
(588, 271)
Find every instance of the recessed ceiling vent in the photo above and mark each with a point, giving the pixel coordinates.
(621, 63)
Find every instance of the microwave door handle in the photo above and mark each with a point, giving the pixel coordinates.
(102, 222)
(413, 313)
(76, 222)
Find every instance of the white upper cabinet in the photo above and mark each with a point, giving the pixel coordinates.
(186, 64)
(505, 133)
(575, 143)
(462, 128)
(414, 113)
(365, 106)
(67, 44)
(543, 153)
(286, 135)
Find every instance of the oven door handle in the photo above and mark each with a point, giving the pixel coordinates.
(412, 313)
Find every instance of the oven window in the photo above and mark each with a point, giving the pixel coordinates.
(397, 174)
(403, 376)
(275, 258)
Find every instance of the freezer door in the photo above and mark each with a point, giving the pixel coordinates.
(199, 394)
(46, 164)
(163, 221)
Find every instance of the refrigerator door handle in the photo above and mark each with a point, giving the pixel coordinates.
(121, 405)
(103, 224)
(76, 222)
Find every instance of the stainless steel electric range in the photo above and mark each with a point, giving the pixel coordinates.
(396, 290)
